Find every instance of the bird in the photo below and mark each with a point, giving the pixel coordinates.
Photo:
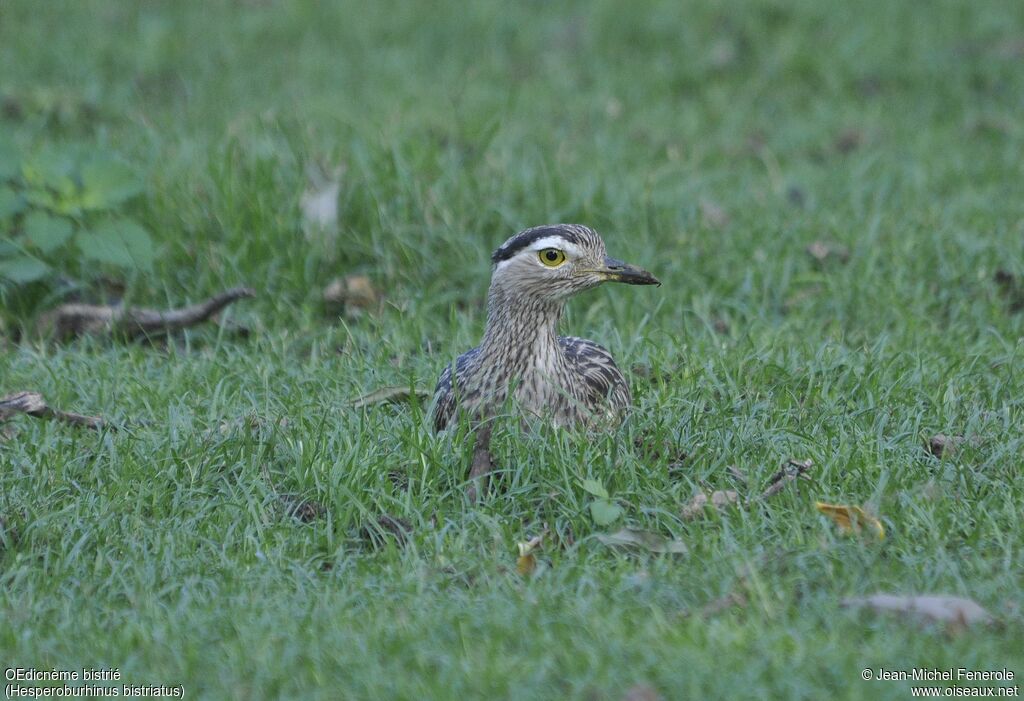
(566, 380)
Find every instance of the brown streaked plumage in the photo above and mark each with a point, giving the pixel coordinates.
(566, 379)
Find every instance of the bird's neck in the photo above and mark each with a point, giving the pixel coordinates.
(520, 328)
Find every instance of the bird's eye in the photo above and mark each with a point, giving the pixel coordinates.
(552, 257)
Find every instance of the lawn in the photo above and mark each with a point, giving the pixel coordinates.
(831, 193)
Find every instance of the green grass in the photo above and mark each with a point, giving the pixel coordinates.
(891, 128)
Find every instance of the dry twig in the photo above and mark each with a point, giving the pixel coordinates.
(785, 475)
(33, 404)
(71, 320)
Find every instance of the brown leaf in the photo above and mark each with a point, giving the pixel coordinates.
(737, 474)
(848, 140)
(389, 395)
(387, 527)
(928, 608)
(731, 600)
(941, 445)
(305, 510)
(631, 538)
(719, 500)
(715, 217)
(1011, 289)
(352, 292)
(642, 692)
(822, 251)
(723, 53)
(400, 479)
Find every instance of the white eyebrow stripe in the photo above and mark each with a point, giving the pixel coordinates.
(555, 242)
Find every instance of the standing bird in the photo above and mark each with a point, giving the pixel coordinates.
(565, 379)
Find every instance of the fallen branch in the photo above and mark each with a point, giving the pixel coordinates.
(785, 475)
(71, 320)
(33, 404)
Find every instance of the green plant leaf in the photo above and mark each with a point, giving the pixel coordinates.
(106, 183)
(120, 242)
(52, 169)
(9, 164)
(594, 487)
(46, 232)
(50, 180)
(23, 269)
(645, 540)
(11, 203)
(605, 512)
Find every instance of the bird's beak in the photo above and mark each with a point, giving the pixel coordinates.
(617, 271)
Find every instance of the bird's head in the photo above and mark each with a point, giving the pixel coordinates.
(556, 261)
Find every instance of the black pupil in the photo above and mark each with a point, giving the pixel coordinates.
(551, 256)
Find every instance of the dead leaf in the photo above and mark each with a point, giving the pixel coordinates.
(387, 527)
(297, 506)
(823, 251)
(70, 320)
(941, 445)
(848, 140)
(737, 474)
(319, 205)
(526, 563)
(723, 53)
(389, 395)
(631, 538)
(305, 510)
(926, 607)
(791, 470)
(400, 479)
(642, 692)
(9, 535)
(252, 422)
(851, 519)
(1011, 289)
(796, 196)
(731, 600)
(719, 500)
(33, 404)
(352, 292)
(715, 217)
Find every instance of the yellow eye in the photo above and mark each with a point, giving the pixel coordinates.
(552, 257)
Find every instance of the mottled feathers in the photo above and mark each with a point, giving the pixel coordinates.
(591, 364)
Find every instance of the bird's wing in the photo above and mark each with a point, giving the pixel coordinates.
(445, 394)
(602, 376)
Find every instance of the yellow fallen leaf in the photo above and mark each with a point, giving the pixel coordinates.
(526, 563)
(851, 518)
